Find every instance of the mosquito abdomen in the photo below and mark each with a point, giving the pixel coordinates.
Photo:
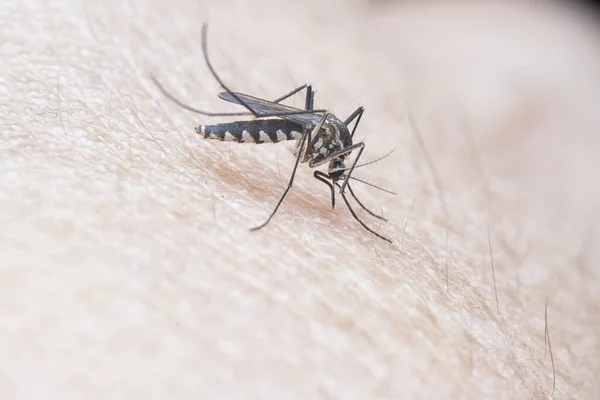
(256, 131)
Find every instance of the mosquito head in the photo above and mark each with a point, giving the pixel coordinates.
(336, 169)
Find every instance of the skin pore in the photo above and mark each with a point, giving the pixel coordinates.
(127, 268)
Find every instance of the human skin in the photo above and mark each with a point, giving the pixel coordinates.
(127, 268)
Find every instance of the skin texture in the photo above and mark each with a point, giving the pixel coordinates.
(127, 269)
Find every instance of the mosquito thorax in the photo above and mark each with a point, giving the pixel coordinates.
(331, 138)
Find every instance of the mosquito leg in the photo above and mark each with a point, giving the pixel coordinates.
(310, 95)
(291, 93)
(310, 98)
(237, 98)
(339, 153)
(216, 76)
(357, 113)
(227, 114)
(349, 173)
(305, 140)
(289, 186)
(272, 109)
(362, 223)
(324, 178)
(196, 110)
(354, 114)
(363, 206)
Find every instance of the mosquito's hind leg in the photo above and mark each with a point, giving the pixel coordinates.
(251, 111)
(239, 100)
(310, 96)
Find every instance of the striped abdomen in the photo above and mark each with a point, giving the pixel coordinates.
(257, 131)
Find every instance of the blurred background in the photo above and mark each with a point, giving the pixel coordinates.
(107, 200)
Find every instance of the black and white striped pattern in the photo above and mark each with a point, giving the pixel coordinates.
(257, 131)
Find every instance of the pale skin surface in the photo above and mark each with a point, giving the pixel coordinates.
(126, 266)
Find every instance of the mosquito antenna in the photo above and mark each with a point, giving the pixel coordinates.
(377, 159)
(373, 186)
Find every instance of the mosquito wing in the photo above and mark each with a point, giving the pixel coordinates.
(268, 108)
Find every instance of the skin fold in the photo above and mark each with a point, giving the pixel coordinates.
(127, 268)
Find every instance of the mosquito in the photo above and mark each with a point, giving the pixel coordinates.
(322, 137)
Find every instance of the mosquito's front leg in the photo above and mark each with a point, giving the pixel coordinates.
(349, 172)
(363, 206)
(357, 113)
